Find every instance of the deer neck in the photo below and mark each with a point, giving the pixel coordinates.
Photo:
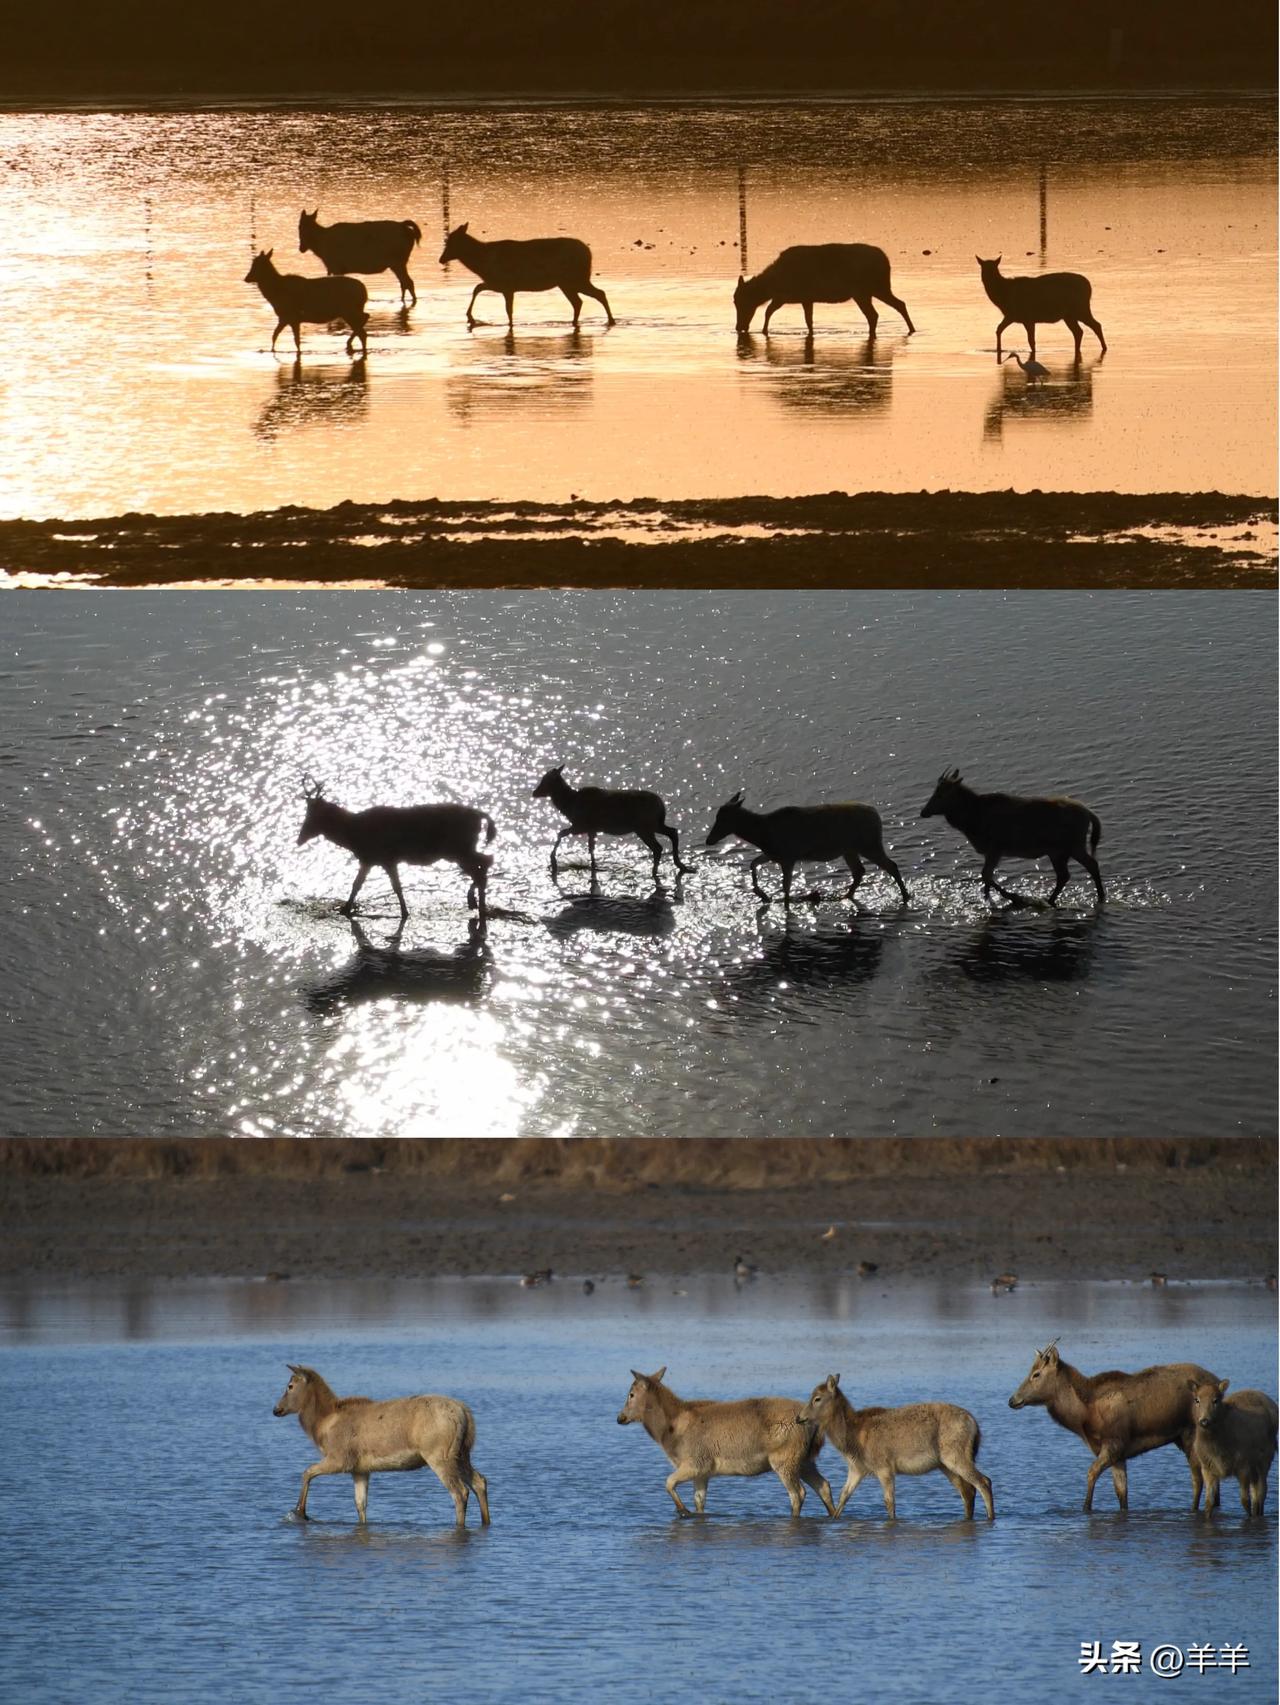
(1069, 1404)
(319, 1405)
(995, 287)
(659, 1416)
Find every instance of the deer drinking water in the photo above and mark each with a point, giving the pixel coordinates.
(917, 1438)
(371, 245)
(1008, 825)
(311, 301)
(1118, 1415)
(820, 833)
(392, 835)
(361, 1436)
(1030, 302)
(704, 1439)
(596, 811)
(1234, 1438)
(821, 272)
(540, 263)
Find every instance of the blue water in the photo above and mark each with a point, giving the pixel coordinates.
(149, 1553)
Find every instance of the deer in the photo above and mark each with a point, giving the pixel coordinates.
(392, 835)
(371, 245)
(1234, 1438)
(313, 301)
(820, 272)
(361, 1436)
(1030, 302)
(818, 833)
(1009, 825)
(540, 263)
(596, 811)
(704, 1439)
(917, 1438)
(1118, 1415)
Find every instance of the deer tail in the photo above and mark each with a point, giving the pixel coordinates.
(1095, 832)
(490, 827)
(413, 230)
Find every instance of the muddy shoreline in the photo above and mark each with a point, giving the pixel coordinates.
(838, 540)
(1076, 1209)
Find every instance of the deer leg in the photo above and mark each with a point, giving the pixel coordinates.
(700, 1496)
(406, 284)
(598, 295)
(575, 302)
(1001, 329)
(855, 1479)
(471, 304)
(280, 325)
(394, 873)
(794, 1490)
(890, 1501)
(675, 848)
(813, 1476)
(1073, 326)
(768, 315)
(883, 862)
(1096, 329)
(755, 884)
(509, 297)
(900, 306)
(480, 1486)
(1062, 870)
(673, 1482)
(555, 848)
(356, 886)
(1029, 326)
(965, 1490)
(1091, 865)
(591, 849)
(788, 870)
(651, 841)
(361, 1484)
(478, 871)
(872, 317)
(856, 869)
(324, 1466)
(808, 318)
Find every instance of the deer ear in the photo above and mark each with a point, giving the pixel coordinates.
(1222, 1387)
(462, 229)
(267, 253)
(833, 1380)
(636, 1374)
(655, 1377)
(741, 279)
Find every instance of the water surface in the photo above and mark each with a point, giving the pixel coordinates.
(149, 386)
(177, 965)
(150, 1555)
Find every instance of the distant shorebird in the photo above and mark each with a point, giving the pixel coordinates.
(1003, 1282)
(828, 1234)
(635, 1280)
(1159, 1278)
(744, 1269)
(867, 1268)
(542, 1276)
(588, 1285)
(1033, 369)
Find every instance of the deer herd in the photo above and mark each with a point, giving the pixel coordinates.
(801, 275)
(997, 825)
(1223, 1435)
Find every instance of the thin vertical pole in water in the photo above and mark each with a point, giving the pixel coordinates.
(1044, 212)
(742, 220)
(444, 195)
(253, 225)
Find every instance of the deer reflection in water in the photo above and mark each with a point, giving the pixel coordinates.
(829, 376)
(795, 962)
(1064, 398)
(1025, 947)
(545, 374)
(652, 915)
(415, 975)
(313, 397)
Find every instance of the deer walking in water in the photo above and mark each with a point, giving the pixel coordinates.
(392, 835)
(1030, 302)
(917, 1438)
(540, 263)
(302, 301)
(1118, 1415)
(821, 272)
(596, 811)
(1008, 825)
(1234, 1439)
(818, 833)
(370, 245)
(361, 1436)
(703, 1439)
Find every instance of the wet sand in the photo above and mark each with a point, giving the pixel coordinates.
(873, 539)
(1074, 1209)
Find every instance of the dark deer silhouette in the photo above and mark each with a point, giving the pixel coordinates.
(392, 835)
(822, 272)
(596, 811)
(541, 263)
(372, 245)
(820, 833)
(1030, 302)
(1007, 825)
(311, 301)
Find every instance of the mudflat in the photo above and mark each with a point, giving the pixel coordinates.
(1070, 1209)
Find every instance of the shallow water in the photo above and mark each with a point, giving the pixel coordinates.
(177, 964)
(150, 1555)
(149, 386)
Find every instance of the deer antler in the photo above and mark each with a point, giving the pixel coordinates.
(311, 788)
